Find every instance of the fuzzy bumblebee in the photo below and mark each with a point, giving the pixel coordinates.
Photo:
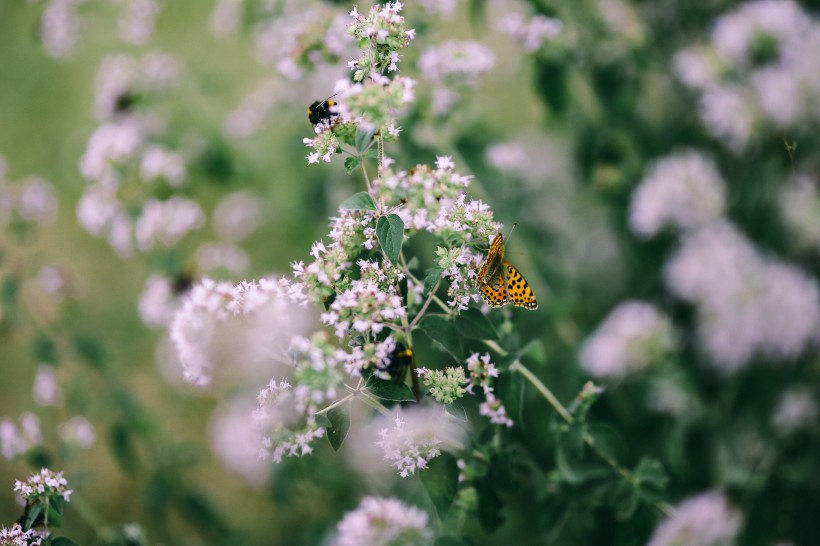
(321, 111)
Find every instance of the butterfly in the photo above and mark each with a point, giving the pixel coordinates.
(500, 283)
(318, 112)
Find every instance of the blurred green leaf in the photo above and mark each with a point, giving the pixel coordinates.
(121, 444)
(489, 505)
(62, 541)
(30, 519)
(510, 388)
(433, 276)
(443, 333)
(358, 201)
(474, 324)
(90, 351)
(449, 541)
(363, 138)
(337, 425)
(390, 231)
(390, 390)
(440, 480)
(351, 164)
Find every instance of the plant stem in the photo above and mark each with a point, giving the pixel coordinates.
(366, 178)
(424, 307)
(567, 416)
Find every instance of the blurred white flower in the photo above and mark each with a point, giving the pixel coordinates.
(507, 157)
(158, 302)
(532, 33)
(37, 201)
(59, 26)
(235, 330)
(137, 21)
(157, 162)
(383, 522)
(235, 440)
(166, 222)
(78, 431)
(213, 256)
(16, 440)
(631, 337)
(796, 410)
(684, 189)
(729, 113)
(111, 143)
(800, 210)
(704, 520)
(226, 17)
(747, 305)
(46, 391)
(237, 215)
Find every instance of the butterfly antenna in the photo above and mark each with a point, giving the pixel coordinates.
(511, 230)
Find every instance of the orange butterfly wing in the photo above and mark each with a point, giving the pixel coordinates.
(517, 288)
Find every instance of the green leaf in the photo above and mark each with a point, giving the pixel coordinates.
(650, 473)
(443, 334)
(390, 390)
(34, 511)
(536, 351)
(337, 425)
(390, 231)
(449, 541)
(122, 448)
(440, 480)
(489, 506)
(363, 138)
(196, 509)
(433, 276)
(55, 518)
(473, 324)
(62, 541)
(351, 163)
(90, 350)
(358, 201)
(510, 387)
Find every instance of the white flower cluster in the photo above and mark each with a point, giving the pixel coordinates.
(15, 536)
(747, 305)
(797, 410)
(758, 68)
(369, 303)
(284, 430)
(14, 440)
(243, 324)
(416, 437)
(704, 520)
(530, 33)
(453, 67)
(137, 21)
(799, 206)
(482, 372)
(384, 31)
(383, 522)
(43, 483)
(59, 26)
(684, 190)
(631, 337)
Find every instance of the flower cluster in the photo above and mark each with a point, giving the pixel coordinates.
(381, 33)
(482, 372)
(16, 440)
(799, 203)
(705, 520)
(29, 200)
(243, 324)
(43, 484)
(453, 67)
(747, 305)
(446, 385)
(297, 41)
(15, 536)
(632, 336)
(284, 430)
(416, 437)
(382, 522)
(530, 33)
(758, 68)
(684, 189)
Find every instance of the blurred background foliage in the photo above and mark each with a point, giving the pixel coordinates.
(591, 108)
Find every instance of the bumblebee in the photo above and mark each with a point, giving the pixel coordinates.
(319, 112)
(401, 361)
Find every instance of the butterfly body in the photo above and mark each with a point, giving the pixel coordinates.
(500, 283)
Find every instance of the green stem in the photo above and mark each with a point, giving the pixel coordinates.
(335, 404)
(565, 414)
